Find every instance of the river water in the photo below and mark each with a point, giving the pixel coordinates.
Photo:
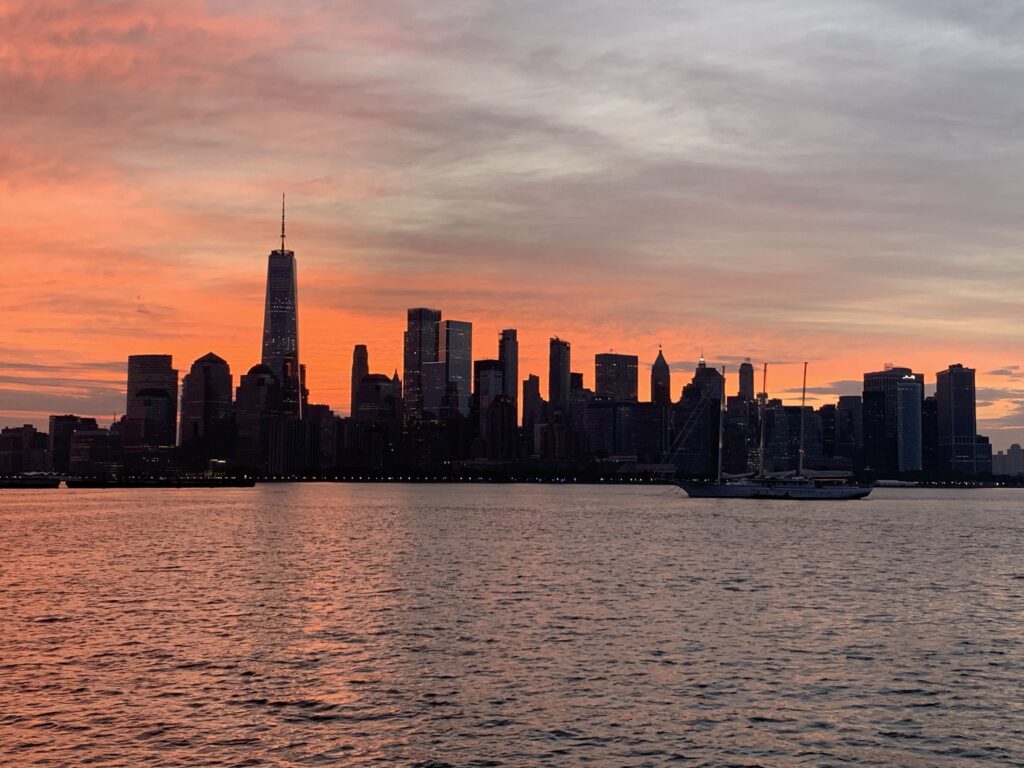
(521, 625)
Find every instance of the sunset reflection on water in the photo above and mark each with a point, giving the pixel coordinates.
(404, 624)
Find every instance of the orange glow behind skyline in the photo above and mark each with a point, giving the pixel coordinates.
(144, 152)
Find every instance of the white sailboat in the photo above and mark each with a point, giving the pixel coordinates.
(787, 485)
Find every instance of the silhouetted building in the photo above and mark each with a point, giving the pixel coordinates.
(651, 426)
(323, 428)
(377, 430)
(291, 442)
(420, 349)
(258, 406)
(95, 453)
(575, 383)
(1010, 463)
(23, 449)
(776, 456)
(908, 419)
(661, 381)
(207, 423)
(502, 435)
(957, 420)
(894, 445)
(930, 435)
(983, 457)
(534, 409)
(151, 410)
(281, 327)
(435, 383)
(828, 415)
(850, 430)
(695, 420)
(488, 383)
(61, 430)
(379, 398)
(455, 352)
(508, 354)
(740, 436)
(746, 380)
(615, 377)
(360, 368)
(558, 374)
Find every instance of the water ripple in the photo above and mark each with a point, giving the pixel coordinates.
(452, 626)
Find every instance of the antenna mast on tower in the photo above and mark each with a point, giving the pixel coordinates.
(282, 222)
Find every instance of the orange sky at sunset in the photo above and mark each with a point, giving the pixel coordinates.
(617, 179)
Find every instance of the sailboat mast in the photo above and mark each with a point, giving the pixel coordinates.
(721, 427)
(803, 404)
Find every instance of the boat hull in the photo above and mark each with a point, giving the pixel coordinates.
(775, 491)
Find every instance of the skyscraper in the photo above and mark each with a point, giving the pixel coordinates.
(558, 374)
(257, 408)
(894, 430)
(908, 420)
(420, 348)
(661, 381)
(747, 380)
(488, 383)
(455, 350)
(615, 377)
(281, 326)
(957, 419)
(206, 410)
(850, 429)
(151, 410)
(533, 405)
(360, 370)
(508, 354)
(61, 430)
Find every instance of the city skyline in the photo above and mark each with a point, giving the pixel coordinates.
(817, 394)
(770, 184)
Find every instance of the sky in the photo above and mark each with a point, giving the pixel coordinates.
(837, 181)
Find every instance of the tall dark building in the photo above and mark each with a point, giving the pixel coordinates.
(957, 420)
(850, 429)
(533, 404)
(61, 430)
(707, 383)
(360, 370)
(828, 416)
(615, 377)
(695, 421)
(575, 384)
(257, 410)
(23, 449)
(455, 352)
(281, 326)
(508, 354)
(488, 384)
(896, 447)
(558, 374)
(930, 435)
(151, 410)
(747, 380)
(661, 381)
(420, 349)
(206, 410)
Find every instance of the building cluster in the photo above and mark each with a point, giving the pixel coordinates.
(448, 414)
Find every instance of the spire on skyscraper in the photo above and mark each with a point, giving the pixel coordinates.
(282, 222)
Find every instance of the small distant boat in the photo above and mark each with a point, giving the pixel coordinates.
(795, 486)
